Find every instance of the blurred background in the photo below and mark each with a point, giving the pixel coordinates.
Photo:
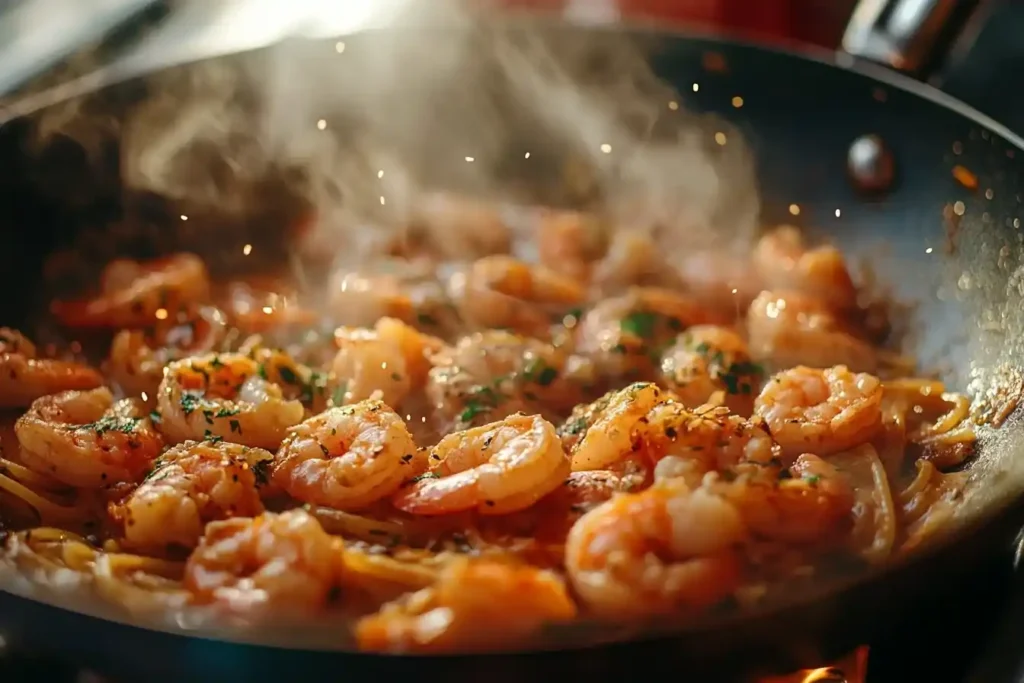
(974, 48)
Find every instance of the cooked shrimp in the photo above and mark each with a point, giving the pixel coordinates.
(85, 439)
(490, 375)
(137, 358)
(707, 359)
(789, 328)
(24, 377)
(495, 469)
(622, 334)
(657, 551)
(457, 228)
(722, 280)
(261, 308)
(273, 564)
(387, 363)
(223, 396)
(132, 293)
(807, 503)
(347, 458)
(500, 291)
(570, 242)
(475, 604)
(632, 258)
(820, 411)
(191, 484)
(709, 436)
(784, 261)
(613, 434)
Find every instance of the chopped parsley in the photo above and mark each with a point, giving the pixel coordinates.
(236, 427)
(211, 437)
(261, 470)
(155, 417)
(425, 475)
(639, 324)
(227, 412)
(190, 402)
(540, 372)
(812, 479)
(339, 393)
(110, 423)
(288, 375)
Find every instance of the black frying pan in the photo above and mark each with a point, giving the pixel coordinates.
(800, 114)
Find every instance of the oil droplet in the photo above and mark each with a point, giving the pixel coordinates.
(184, 217)
(959, 208)
(268, 310)
(839, 213)
(737, 101)
(321, 124)
(794, 209)
(958, 147)
(145, 396)
(720, 138)
(383, 201)
(339, 47)
(470, 159)
(696, 87)
(673, 105)
(161, 314)
(380, 173)
(606, 148)
(526, 156)
(989, 193)
(247, 249)
(928, 250)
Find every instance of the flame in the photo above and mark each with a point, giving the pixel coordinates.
(850, 669)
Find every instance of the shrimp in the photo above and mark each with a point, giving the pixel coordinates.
(613, 434)
(455, 228)
(271, 564)
(707, 359)
(709, 436)
(804, 504)
(223, 396)
(25, 378)
(86, 439)
(388, 362)
(500, 291)
(191, 484)
(490, 375)
(137, 359)
(784, 261)
(132, 293)
(495, 469)
(621, 334)
(475, 604)
(261, 308)
(656, 551)
(820, 411)
(789, 328)
(569, 242)
(347, 458)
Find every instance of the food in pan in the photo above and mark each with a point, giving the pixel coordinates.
(461, 451)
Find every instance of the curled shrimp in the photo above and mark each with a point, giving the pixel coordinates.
(86, 439)
(387, 362)
(613, 434)
(346, 458)
(495, 469)
(271, 564)
(624, 334)
(223, 396)
(570, 242)
(133, 292)
(24, 377)
(475, 604)
(137, 358)
(709, 436)
(806, 503)
(501, 291)
(784, 261)
(707, 359)
(490, 375)
(190, 485)
(656, 551)
(790, 328)
(820, 411)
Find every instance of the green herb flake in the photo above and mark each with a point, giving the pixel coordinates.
(236, 427)
(639, 324)
(287, 375)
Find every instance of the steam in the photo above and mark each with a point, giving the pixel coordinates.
(512, 111)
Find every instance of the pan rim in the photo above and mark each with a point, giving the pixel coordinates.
(117, 75)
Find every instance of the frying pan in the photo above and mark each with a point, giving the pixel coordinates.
(951, 249)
